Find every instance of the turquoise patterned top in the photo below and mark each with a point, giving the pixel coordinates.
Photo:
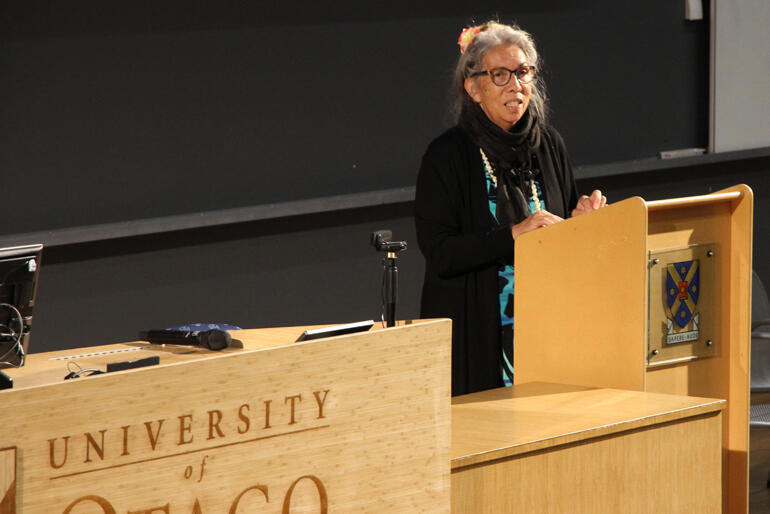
(506, 279)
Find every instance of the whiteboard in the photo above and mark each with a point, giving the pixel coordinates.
(740, 75)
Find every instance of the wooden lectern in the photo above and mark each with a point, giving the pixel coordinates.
(648, 296)
(354, 423)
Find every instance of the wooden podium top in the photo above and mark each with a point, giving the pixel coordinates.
(51, 367)
(509, 421)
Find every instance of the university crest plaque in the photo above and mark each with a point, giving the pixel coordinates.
(682, 298)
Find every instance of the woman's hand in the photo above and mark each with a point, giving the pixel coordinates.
(541, 218)
(589, 203)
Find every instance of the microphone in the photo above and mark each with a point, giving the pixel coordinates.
(212, 339)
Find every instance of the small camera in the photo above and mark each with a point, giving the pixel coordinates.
(382, 240)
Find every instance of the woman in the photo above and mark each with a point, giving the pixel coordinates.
(500, 172)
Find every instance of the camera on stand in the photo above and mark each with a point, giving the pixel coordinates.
(382, 240)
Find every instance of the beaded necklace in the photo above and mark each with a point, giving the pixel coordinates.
(491, 172)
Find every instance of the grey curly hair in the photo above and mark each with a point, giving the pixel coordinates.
(494, 34)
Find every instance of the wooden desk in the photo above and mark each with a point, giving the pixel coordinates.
(551, 448)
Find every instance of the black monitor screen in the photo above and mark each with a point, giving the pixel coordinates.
(19, 269)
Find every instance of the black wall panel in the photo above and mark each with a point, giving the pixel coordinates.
(129, 110)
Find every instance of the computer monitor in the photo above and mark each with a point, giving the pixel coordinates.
(19, 269)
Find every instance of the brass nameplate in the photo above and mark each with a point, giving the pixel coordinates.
(682, 298)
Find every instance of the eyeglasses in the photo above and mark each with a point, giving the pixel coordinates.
(501, 76)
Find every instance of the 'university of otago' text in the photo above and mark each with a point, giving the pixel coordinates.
(202, 428)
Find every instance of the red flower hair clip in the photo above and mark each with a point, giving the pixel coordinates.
(466, 36)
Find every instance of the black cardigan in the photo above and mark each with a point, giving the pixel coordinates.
(463, 247)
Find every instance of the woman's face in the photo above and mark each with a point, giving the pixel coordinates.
(503, 105)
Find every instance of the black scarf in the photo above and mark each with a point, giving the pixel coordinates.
(512, 155)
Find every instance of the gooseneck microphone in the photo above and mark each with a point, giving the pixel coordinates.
(212, 339)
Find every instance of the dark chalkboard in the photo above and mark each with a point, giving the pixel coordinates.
(132, 110)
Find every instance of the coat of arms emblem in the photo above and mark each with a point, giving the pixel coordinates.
(682, 292)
